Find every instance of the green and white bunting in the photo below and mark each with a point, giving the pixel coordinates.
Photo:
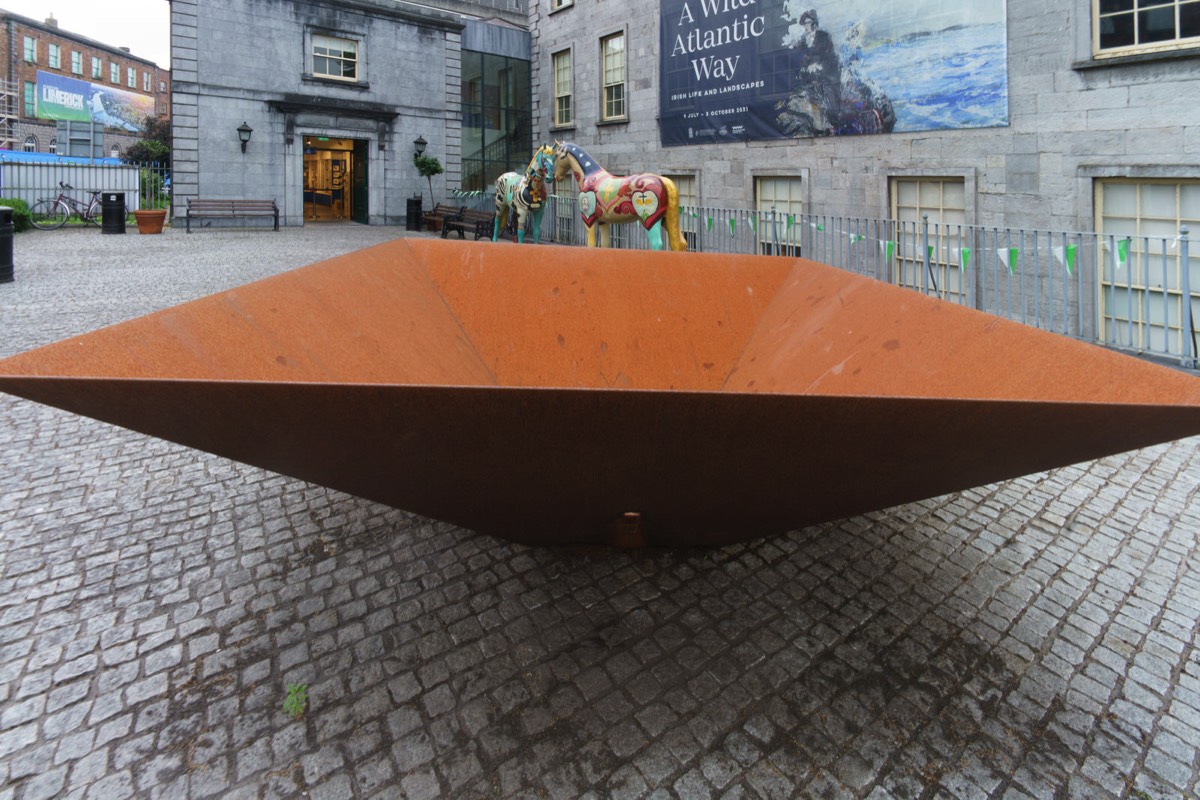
(1010, 256)
(1066, 256)
(963, 255)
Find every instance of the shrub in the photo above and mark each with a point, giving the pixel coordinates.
(22, 221)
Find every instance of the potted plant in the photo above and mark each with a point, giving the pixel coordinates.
(428, 166)
(150, 220)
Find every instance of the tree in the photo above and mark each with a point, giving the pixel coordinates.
(428, 166)
(155, 144)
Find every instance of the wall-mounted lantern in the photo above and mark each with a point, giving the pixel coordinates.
(244, 132)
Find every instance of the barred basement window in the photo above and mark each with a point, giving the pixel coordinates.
(1141, 268)
(778, 203)
(944, 202)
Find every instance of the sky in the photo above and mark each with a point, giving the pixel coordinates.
(141, 25)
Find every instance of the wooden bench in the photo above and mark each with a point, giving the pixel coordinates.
(481, 222)
(441, 212)
(230, 209)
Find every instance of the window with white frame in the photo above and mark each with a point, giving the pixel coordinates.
(131, 77)
(334, 57)
(1139, 261)
(30, 100)
(940, 202)
(53, 148)
(689, 202)
(54, 58)
(1122, 27)
(97, 68)
(612, 49)
(563, 79)
(114, 73)
(31, 144)
(146, 82)
(555, 5)
(31, 49)
(76, 62)
(779, 206)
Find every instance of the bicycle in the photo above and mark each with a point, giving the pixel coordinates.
(52, 213)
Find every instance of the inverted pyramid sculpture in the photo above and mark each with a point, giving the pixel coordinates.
(564, 395)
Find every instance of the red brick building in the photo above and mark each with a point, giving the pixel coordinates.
(29, 47)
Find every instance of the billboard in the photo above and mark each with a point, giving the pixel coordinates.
(742, 70)
(63, 98)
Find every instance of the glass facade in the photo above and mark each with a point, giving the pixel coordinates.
(497, 127)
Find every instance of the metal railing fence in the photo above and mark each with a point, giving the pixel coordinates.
(145, 186)
(1138, 293)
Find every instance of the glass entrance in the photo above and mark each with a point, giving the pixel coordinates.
(332, 167)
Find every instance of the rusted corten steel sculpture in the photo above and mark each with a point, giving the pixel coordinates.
(667, 398)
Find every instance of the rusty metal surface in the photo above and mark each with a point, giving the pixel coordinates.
(580, 395)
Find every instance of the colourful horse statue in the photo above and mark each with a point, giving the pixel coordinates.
(524, 193)
(604, 199)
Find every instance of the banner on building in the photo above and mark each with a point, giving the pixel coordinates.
(742, 70)
(73, 100)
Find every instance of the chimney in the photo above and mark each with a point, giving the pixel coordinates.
(51, 21)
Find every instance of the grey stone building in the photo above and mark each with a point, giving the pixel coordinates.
(1071, 116)
(971, 114)
(1079, 112)
(335, 94)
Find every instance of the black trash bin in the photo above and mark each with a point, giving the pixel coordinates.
(6, 244)
(413, 220)
(112, 212)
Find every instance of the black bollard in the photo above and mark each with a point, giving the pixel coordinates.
(6, 244)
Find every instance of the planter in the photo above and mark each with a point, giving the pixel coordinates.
(150, 220)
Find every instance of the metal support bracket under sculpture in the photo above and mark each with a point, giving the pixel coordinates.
(588, 395)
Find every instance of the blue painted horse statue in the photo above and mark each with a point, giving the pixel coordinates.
(526, 194)
(650, 199)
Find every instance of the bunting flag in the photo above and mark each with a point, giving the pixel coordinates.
(754, 224)
(963, 254)
(710, 224)
(791, 219)
(887, 248)
(1010, 256)
(855, 237)
(1122, 252)
(931, 248)
(816, 227)
(732, 225)
(1066, 256)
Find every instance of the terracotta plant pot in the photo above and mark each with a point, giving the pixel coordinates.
(150, 220)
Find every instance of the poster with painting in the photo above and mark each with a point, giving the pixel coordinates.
(742, 70)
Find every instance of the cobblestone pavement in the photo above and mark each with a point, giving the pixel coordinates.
(1030, 639)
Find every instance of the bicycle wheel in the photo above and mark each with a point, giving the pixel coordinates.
(93, 214)
(49, 214)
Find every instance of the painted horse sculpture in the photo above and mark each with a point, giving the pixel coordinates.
(650, 199)
(525, 194)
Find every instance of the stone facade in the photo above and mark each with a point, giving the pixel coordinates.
(18, 72)
(249, 61)
(1072, 119)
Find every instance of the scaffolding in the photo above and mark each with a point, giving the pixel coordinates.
(10, 106)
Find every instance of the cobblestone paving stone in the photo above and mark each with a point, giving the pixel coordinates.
(1031, 639)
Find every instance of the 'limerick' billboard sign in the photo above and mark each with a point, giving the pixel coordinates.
(737, 70)
(63, 98)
